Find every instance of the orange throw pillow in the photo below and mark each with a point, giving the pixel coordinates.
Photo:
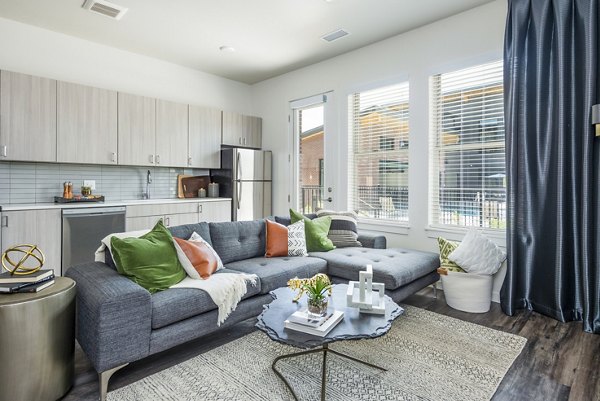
(277, 240)
(202, 258)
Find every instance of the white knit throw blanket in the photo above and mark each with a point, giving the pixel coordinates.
(225, 289)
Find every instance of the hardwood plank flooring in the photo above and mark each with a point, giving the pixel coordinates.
(559, 363)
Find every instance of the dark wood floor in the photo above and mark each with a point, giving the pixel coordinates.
(560, 361)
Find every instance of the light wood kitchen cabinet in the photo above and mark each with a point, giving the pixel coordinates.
(232, 129)
(204, 137)
(241, 131)
(27, 117)
(252, 132)
(171, 134)
(215, 211)
(86, 124)
(141, 223)
(136, 130)
(36, 227)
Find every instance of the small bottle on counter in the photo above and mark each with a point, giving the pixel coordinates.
(202, 193)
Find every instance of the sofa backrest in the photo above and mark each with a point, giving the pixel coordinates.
(186, 231)
(286, 220)
(238, 240)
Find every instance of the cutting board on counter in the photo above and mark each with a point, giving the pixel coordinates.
(188, 185)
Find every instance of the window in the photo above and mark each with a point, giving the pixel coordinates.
(468, 184)
(378, 156)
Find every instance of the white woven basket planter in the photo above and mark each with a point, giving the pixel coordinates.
(468, 292)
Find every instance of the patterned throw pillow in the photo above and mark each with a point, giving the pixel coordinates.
(343, 231)
(297, 239)
(446, 248)
(477, 254)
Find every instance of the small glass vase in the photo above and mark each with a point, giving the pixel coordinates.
(317, 308)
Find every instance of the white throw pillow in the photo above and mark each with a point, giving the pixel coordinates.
(477, 254)
(297, 239)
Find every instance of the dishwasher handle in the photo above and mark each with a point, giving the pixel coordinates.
(97, 212)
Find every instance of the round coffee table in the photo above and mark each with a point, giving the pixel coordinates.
(354, 326)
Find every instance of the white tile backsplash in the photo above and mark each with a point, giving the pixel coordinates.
(40, 182)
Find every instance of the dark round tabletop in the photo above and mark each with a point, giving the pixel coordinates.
(354, 325)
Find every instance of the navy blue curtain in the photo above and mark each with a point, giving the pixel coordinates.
(553, 160)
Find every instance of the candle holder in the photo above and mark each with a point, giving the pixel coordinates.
(366, 295)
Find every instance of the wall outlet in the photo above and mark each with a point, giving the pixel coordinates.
(90, 183)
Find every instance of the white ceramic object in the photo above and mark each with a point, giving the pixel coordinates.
(468, 292)
(360, 293)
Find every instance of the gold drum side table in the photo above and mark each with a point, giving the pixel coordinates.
(37, 343)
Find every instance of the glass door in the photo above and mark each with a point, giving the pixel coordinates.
(313, 188)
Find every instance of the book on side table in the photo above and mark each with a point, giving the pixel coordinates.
(299, 321)
(7, 278)
(20, 287)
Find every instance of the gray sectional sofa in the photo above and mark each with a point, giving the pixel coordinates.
(119, 322)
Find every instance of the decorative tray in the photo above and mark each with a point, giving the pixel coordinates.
(79, 199)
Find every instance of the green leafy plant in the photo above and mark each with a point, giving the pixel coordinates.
(317, 288)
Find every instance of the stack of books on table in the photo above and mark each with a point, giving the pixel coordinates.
(301, 321)
(35, 282)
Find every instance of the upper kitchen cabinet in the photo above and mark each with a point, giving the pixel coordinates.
(137, 130)
(252, 132)
(204, 137)
(171, 134)
(87, 124)
(27, 117)
(241, 131)
(232, 129)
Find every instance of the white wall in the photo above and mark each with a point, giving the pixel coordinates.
(36, 51)
(475, 36)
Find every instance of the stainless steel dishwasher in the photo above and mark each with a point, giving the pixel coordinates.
(84, 228)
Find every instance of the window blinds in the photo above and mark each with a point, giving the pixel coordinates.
(378, 154)
(467, 182)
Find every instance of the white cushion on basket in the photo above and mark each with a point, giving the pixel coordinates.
(477, 254)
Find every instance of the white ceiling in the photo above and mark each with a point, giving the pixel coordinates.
(271, 36)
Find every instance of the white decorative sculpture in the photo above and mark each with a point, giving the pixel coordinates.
(360, 293)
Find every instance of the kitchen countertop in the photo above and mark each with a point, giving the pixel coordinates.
(49, 205)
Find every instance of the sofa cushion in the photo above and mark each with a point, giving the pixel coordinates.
(238, 240)
(275, 272)
(176, 304)
(185, 231)
(393, 267)
(287, 220)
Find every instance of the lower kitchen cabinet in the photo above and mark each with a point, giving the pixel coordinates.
(36, 227)
(215, 211)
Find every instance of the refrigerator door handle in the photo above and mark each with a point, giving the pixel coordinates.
(238, 167)
(239, 193)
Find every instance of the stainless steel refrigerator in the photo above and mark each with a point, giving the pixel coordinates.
(245, 177)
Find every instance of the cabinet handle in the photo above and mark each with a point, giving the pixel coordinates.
(4, 221)
(167, 221)
(151, 159)
(189, 161)
(4, 151)
(244, 141)
(199, 208)
(113, 157)
(240, 140)
(157, 159)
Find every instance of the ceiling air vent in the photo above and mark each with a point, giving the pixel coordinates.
(335, 35)
(105, 8)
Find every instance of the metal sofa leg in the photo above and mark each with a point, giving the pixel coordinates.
(434, 285)
(104, 377)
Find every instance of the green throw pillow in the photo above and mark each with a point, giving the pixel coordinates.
(446, 248)
(316, 232)
(150, 260)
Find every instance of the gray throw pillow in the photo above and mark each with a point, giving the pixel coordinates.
(343, 231)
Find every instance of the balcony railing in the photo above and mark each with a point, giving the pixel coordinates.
(460, 208)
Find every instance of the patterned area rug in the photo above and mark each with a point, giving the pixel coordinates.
(428, 356)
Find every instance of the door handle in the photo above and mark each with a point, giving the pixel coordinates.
(238, 167)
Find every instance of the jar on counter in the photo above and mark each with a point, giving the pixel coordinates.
(213, 190)
(202, 193)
